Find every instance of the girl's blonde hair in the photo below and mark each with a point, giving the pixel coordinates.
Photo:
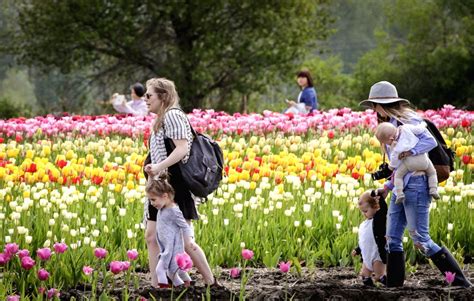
(370, 197)
(160, 185)
(399, 110)
(168, 96)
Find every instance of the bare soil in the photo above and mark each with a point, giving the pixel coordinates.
(315, 284)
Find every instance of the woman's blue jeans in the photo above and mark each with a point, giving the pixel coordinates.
(412, 213)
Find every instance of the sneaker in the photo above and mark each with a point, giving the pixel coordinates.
(368, 281)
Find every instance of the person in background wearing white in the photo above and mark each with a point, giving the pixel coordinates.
(136, 106)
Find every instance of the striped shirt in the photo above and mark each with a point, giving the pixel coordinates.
(175, 126)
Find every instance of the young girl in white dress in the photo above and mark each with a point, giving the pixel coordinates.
(372, 237)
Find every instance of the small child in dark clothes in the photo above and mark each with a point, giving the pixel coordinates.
(372, 237)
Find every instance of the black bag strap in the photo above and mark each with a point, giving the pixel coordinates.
(435, 132)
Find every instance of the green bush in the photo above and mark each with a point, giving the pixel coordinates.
(10, 109)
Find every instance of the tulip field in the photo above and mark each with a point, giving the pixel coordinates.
(72, 194)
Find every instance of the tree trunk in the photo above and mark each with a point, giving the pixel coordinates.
(243, 105)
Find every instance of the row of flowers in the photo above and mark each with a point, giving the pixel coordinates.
(218, 122)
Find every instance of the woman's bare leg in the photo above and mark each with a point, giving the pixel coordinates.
(153, 250)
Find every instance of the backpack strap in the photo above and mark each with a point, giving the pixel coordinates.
(190, 125)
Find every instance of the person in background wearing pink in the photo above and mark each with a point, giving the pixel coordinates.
(136, 106)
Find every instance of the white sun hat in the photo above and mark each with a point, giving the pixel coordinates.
(383, 93)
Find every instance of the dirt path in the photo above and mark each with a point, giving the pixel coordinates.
(319, 284)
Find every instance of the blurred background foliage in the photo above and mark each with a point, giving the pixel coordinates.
(237, 56)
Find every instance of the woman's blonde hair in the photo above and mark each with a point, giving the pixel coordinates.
(370, 197)
(160, 185)
(399, 110)
(168, 96)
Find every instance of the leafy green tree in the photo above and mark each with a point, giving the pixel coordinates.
(427, 53)
(204, 46)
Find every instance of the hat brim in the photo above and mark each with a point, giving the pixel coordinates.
(382, 101)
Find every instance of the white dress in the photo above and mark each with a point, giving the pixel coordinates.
(367, 244)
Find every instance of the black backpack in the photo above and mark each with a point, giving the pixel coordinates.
(441, 156)
(202, 172)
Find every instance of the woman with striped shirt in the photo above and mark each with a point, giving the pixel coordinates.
(171, 124)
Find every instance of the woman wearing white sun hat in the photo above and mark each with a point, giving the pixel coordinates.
(414, 212)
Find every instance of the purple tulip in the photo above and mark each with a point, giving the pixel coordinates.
(23, 253)
(116, 267)
(100, 253)
(234, 272)
(43, 275)
(27, 263)
(60, 247)
(11, 248)
(247, 254)
(132, 254)
(450, 277)
(44, 253)
(285, 266)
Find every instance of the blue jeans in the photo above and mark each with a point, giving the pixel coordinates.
(414, 213)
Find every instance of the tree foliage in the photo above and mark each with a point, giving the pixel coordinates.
(427, 52)
(204, 46)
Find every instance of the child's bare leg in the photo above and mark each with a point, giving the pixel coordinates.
(399, 174)
(199, 259)
(366, 276)
(365, 272)
(379, 269)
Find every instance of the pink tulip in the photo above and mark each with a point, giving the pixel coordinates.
(247, 254)
(13, 298)
(234, 272)
(11, 248)
(100, 253)
(41, 290)
(285, 266)
(87, 270)
(43, 275)
(4, 258)
(44, 253)
(60, 247)
(27, 263)
(450, 277)
(132, 254)
(125, 265)
(184, 261)
(116, 267)
(52, 292)
(23, 253)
